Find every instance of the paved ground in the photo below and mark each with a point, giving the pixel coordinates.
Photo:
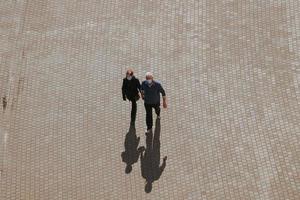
(231, 70)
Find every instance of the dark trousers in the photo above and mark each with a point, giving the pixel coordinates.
(133, 110)
(149, 117)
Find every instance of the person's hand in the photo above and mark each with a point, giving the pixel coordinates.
(165, 104)
(142, 94)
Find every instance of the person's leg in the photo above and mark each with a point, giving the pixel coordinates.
(133, 111)
(149, 120)
(157, 109)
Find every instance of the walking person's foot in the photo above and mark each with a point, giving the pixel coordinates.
(141, 149)
(148, 131)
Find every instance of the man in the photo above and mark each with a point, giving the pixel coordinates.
(130, 90)
(151, 91)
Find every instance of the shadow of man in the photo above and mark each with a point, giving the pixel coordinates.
(150, 158)
(131, 153)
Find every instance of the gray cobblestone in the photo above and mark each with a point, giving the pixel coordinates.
(231, 72)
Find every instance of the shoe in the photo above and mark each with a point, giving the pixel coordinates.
(141, 149)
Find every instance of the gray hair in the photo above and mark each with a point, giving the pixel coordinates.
(149, 74)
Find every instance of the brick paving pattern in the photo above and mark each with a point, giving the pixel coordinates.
(231, 71)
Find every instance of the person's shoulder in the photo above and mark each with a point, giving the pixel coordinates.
(143, 85)
(157, 82)
(136, 79)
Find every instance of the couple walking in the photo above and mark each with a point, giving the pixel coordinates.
(150, 91)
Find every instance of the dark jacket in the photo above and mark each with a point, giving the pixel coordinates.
(152, 94)
(130, 88)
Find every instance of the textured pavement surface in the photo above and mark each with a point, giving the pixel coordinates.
(231, 71)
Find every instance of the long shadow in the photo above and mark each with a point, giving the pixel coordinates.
(131, 153)
(150, 158)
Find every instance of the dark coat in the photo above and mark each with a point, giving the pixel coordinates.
(131, 88)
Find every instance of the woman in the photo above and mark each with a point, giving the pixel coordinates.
(131, 90)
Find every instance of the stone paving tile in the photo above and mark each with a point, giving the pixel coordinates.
(231, 72)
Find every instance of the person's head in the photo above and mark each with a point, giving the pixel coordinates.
(129, 74)
(148, 187)
(149, 77)
(128, 169)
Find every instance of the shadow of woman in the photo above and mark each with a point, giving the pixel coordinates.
(131, 153)
(150, 158)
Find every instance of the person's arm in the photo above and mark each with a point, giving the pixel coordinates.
(123, 90)
(163, 93)
(139, 87)
(142, 91)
